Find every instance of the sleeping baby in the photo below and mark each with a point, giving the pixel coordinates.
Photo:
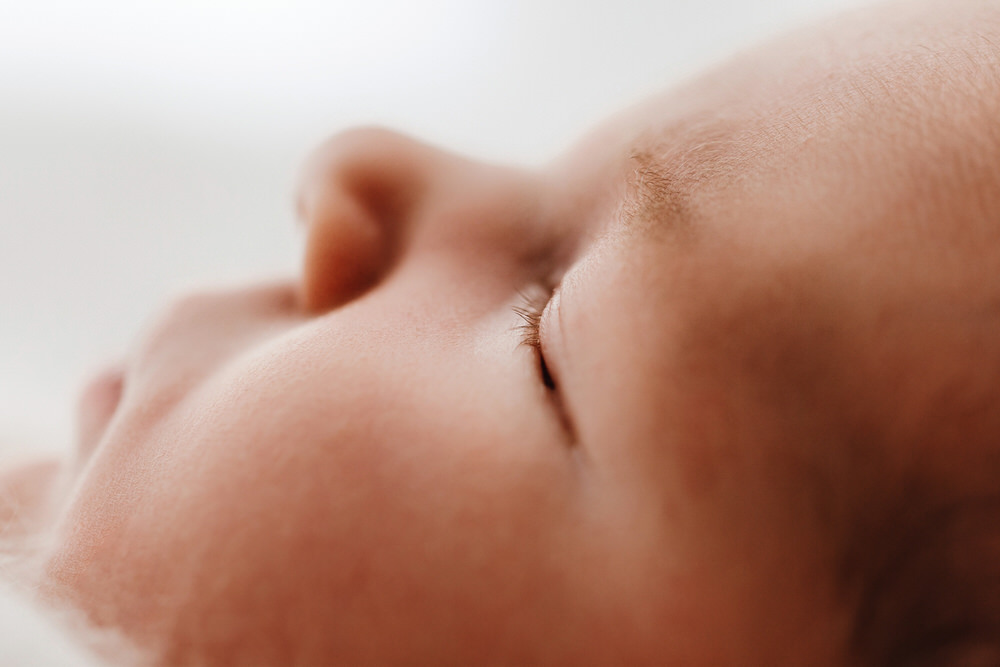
(719, 385)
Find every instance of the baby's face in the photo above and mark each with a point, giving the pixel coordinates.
(757, 299)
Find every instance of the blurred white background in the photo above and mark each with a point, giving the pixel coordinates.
(146, 147)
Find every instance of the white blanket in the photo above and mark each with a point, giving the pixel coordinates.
(29, 638)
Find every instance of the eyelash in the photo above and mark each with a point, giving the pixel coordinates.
(530, 311)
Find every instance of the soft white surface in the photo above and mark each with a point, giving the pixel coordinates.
(148, 146)
(30, 639)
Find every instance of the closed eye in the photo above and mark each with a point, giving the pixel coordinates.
(530, 311)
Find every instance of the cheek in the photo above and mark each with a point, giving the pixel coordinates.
(309, 487)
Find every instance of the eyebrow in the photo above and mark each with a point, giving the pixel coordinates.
(668, 167)
(657, 198)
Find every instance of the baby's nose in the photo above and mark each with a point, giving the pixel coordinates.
(358, 196)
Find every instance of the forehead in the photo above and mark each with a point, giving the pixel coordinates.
(904, 112)
(807, 234)
(858, 159)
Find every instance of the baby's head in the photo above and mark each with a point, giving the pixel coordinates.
(717, 386)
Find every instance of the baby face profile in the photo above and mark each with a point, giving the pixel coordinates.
(716, 386)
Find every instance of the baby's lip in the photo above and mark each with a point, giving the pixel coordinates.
(96, 406)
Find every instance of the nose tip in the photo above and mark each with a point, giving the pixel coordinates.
(356, 198)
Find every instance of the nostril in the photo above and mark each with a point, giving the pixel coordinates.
(346, 250)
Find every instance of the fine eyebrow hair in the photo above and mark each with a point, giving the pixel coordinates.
(651, 194)
(668, 169)
(657, 203)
